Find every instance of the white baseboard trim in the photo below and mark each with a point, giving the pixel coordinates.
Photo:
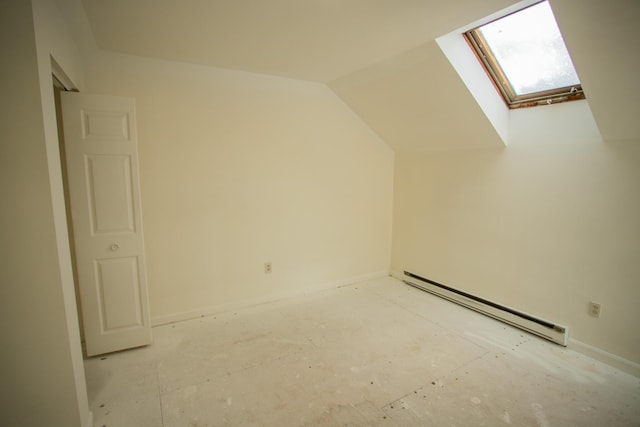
(397, 274)
(217, 309)
(596, 353)
(89, 420)
(605, 357)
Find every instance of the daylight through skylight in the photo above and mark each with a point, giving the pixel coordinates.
(526, 56)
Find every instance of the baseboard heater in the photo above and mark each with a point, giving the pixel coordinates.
(543, 328)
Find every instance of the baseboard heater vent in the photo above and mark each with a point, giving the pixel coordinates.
(543, 328)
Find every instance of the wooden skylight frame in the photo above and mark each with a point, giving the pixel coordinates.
(491, 64)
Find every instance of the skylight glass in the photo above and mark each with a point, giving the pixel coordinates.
(526, 55)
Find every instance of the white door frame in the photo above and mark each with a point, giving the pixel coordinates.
(64, 251)
(60, 78)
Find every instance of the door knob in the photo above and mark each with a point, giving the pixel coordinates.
(115, 247)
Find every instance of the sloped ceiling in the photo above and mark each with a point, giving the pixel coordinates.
(379, 56)
(416, 101)
(602, 38)
(319, 40)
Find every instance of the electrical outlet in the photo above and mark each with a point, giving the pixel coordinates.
(267, 267)
(594, 309)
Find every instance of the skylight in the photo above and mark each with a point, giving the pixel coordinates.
(526, 57)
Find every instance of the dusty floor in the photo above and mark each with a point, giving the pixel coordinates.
(379, 353)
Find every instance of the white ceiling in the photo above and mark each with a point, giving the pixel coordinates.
(379, 56)
(602, 38)
(416, 101)
(319, 40)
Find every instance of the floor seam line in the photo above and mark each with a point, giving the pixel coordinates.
(159, 395)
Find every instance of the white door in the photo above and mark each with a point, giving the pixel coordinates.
(104, 190)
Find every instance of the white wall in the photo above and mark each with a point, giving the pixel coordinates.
(238, 169)
(54, 43)
(41, 382)
(545, 225)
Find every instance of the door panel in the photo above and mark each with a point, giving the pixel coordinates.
(119, 286)
(105, 125)
(110, 194)
(104, 191)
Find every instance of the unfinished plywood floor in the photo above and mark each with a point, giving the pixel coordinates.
(378, 353)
